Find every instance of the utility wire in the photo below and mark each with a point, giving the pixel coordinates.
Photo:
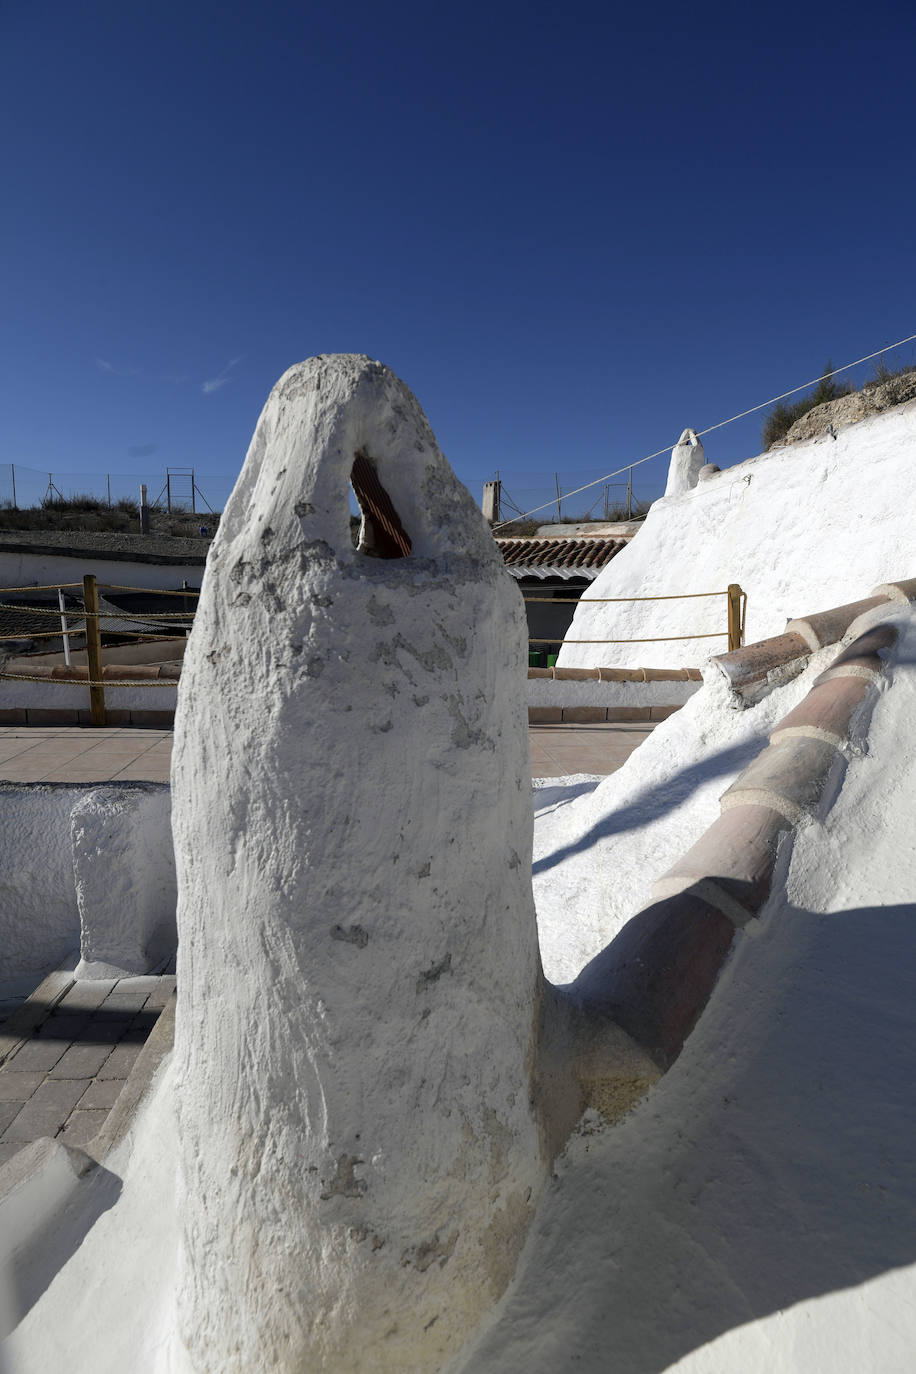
(740, 416)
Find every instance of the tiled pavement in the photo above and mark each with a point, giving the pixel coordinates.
(600, 748)
(61, 1074)
(71, 754)
(67, 753)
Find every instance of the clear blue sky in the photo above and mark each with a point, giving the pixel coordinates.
(572, 231)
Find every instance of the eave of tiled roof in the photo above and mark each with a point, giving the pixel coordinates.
(585, 554)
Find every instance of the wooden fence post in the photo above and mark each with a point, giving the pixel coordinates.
(734, 616)
(94, 650)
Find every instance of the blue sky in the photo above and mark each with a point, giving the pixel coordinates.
(572, 231)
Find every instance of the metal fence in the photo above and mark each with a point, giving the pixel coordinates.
(172, 489)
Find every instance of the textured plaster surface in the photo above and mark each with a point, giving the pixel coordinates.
(60, 865)
(757, 1211)
(780, 525)
(39, 919)
(590, 692)
(359, 1157)
(687, 458)
(124, 870)
(754, 1212)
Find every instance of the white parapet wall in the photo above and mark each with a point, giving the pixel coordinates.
(124, 871)
(62, 884)
(797, 529)
(23, 567)
(39, 917)
(613, 697)
(74, 696)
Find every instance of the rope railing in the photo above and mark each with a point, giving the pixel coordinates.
(92, 622)
(737, 610)
(88, 681)
(101, 615)
(147, 591)
(35, 587)
(93, 619)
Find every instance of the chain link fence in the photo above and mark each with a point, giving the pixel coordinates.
(175, 488)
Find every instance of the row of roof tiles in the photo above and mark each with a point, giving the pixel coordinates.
(581, 553)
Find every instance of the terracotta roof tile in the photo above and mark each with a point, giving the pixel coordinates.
(559, 553)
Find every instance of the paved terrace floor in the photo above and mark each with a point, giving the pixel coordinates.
(64, 1060)
(71, 754)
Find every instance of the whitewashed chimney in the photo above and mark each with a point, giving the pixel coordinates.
(359, 978)
(687, 457)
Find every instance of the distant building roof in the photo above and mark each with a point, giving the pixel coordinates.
(562, 558)
(133, 548)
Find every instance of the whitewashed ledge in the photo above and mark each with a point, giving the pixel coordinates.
(67, 703)
(566, 698)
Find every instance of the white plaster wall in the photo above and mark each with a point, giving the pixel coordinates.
(42, 569)
(39, 908)
(66, 696)
(358, 968)
(757, 1211)
(591, 692)
(800, 529)
(124, 871)
(39, 920)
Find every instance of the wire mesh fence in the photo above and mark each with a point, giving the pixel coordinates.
(179, 489)
(547, 495)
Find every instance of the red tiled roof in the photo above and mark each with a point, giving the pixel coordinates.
(559, 553)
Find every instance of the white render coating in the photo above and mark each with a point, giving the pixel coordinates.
(22, 569)
(124, 871)
(756, 1212)
(800, 529)
(40, 872)
(64, 696)
(687, 458)
(546, 691)
(358, 970)
(39, 918)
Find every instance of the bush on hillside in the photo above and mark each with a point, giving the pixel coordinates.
(883, 374)
(82, 512)
(782, 417)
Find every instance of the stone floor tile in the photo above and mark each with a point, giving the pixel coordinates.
(107, 1029)
(81, 1061)
(16, 1086)
(130, 994)
(102, 1093)
(46, 1110)
(12, 748)
(7, 1151)
(161, 994)
(120, 1062)
(82, 1126)
(8, 1112)
(64, 1026)
(87, 994)
(36, 1054)
(155, 771)
(18, 769)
